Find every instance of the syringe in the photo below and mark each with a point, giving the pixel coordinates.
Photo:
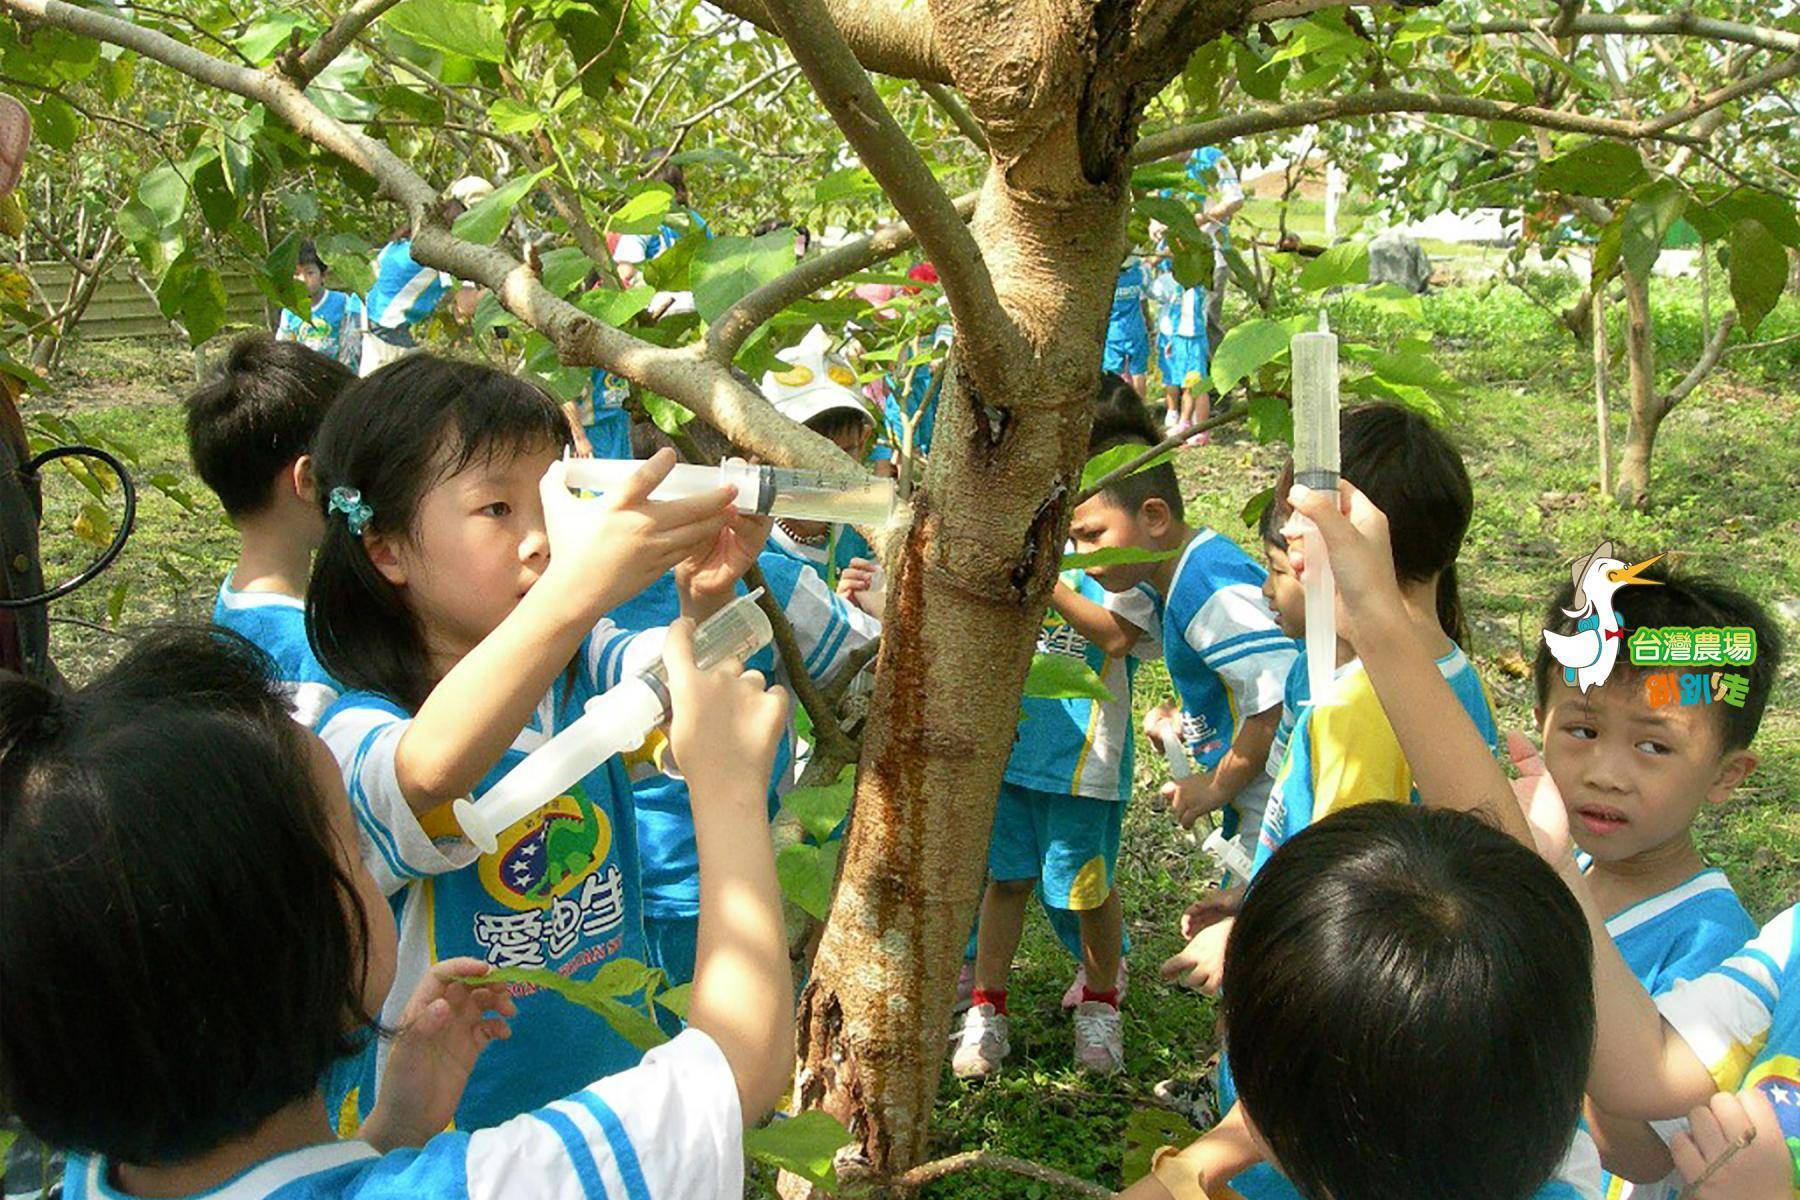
(614, 722)
(1228, 854)
(1314, 357)
(851, 497)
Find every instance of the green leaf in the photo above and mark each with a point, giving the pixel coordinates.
(1108, 461)
(1607, 249)
(1647, 223)
(1060, 677)
(676, 999)
(350, 259)
(1411, 364)
(163, 192)
(217, 205)
(1261, 80)
(820, 810)
(194, 295)
(729, 268)
(510, 116)
(1183, 229)
(614, 306)
(600, 36)
(1345, 263)
(1253, 508)
(633, 1024)
(601, 994)
(564, 268)
(1147, 1131)
(806, 1145)
(664, 413)
(276, 278)
(844, 184)
(1775, 212)
(644, 211)
(1394, 300)
(455, 26)
(1271, 420)
(1246, 349)
(1758, 272)
(267, 35)
(806, 873)
(1203, 79)
(115, 608)
(54, 122)
(486, 221)
(1600, 168)
(1112, 556)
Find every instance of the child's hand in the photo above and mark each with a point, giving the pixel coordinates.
(1203, 961)
(620, 544)
(442, 1032)
(706, 580)
(724, 724)
(1713, 1153)
(1162, 725)
(1215, 905)
(864, 584)
(1191, 798)
(1541, 801)
(1356, 538)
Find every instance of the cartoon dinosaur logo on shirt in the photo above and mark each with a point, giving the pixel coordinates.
(549, 854)
(569, 846)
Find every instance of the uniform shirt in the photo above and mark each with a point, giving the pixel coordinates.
(1742, 1020)
(1126, 322)
(667, 1129)
(560, 892)
(334, 329)
(1077, 746)
(827, 629)
(277, 625)
(1346, 753)
(606, 390)
(829, 559)
(1227, 657)
(1215, 181)
(1681, 934)
(405, 293)
(1181, 312)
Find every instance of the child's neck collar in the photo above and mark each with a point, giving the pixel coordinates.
(295, 1127)
(1648, 873)
(1162, 574)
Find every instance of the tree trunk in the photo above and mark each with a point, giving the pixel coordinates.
(1646, 406)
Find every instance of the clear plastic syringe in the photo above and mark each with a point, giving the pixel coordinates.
(850, 497)
(1314, 356)
(614, 722)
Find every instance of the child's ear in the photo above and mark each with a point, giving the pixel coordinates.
(1734, 768)
(1155, 517)
(306, 485)
(384, 557)
(1538, 714)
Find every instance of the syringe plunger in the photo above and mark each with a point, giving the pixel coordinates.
(1314, 359)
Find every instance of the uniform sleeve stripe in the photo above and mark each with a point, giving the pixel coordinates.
(1757, 989)
(1280, 645)
(580, 1156)
(1250, 636)
(829, 647)
(380, 836)
(624, 1153)
(821, 651)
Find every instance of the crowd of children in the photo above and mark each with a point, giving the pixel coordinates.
(1436, 983)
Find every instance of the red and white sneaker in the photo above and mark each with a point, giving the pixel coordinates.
(1078, 987)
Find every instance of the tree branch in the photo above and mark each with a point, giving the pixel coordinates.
(1704, 365)
(1175, 441)
(1783, 340)
(1684, 23)
(958, 112)
(894, 37)
(1763, 80)
(315, 58)
(849, 96)
(686, 124)
(987, 1160)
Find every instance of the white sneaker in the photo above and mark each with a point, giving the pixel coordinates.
(1078, 987)
(1099, 1037)
(982, 1046)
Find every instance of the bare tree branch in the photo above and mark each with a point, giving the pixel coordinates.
(1175, 441)
(1784, 340)
(1762, 81)
(686, 124)
(849, 96)
(894, 37)
(333, 41)
(1684, 23)
(958, 112)
(987, 1160)
(1704, 365)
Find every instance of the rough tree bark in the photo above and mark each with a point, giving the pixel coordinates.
(1646, 406)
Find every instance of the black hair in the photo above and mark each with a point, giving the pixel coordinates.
(1414, 474)
(1411, 1009)
(1683, 599)
(1268, 525)
(392, 437)
(1120, 419)
(670, 172)
(309, 256)
(259, 413)
(182, 953)
(840, 421)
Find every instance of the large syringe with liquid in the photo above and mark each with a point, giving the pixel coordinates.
(850, 497)
(1314, 356)
(615, 722)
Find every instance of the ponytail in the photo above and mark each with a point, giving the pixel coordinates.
(1450, 608)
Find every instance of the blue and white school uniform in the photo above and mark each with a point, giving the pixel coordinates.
(602, 410)
(1063, 793)
(1127, 337)
(405, 294)
(827, 630)
(829, 558)
(561, 891)
(1181, 348)
(334, 329)
(1683, 933)
(1227, 658)
(669, 1128)
(277, 625)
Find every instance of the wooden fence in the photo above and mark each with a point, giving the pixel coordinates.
(122, 309)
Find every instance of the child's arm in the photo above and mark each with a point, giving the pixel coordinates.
(706, 582)
(603, 552)
(1628, 1148)
(724, 728)
(1248, 757)
(1202, 1170)
(1106, 629)
(1641, 1067)
(1735, 1149)
(572, 414)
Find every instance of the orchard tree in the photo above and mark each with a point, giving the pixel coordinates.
(1039, 110)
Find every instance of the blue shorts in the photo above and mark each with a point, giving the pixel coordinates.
(609, 433)
(1069, 844)
(1182, 359)
(1128, 354)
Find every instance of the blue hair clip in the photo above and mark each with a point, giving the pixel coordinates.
(349, 501)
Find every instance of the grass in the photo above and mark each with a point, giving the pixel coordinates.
(1722, 501)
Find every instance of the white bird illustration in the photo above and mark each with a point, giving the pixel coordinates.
(1588, 654)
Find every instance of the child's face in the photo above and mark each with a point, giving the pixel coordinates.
(853, 440)
(312, 279)
(1632, 777)
(477, 546)
(1283, 590)
(379, 954)
(1099, 523)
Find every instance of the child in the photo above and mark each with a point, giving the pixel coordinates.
(404, 295)
(1411, 1013)
(459, 595)
(1182, 353)
(176, 855)
(1128, 327)
(1634, 776)
(815, 390)
(1226, 656)
(335, 327)
(250, 433)
(1058, 820)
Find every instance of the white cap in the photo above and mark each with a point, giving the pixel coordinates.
(815, 381)
(470, 190)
